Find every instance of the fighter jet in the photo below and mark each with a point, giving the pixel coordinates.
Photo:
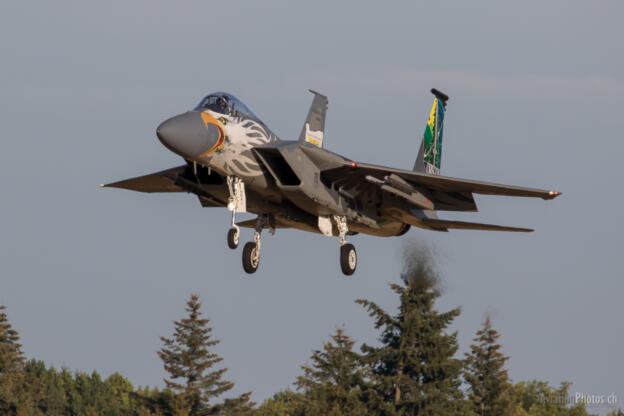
(233, 160)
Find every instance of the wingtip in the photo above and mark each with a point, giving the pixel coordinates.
(519, 229)
(553, 194)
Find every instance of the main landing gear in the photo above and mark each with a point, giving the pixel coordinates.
(348, 255)
(251, 251)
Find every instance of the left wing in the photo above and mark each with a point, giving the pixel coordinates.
(443, 192)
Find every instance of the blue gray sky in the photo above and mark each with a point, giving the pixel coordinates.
(93, 277)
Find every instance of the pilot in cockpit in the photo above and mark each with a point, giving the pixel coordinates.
(222, 106)
(224, 103)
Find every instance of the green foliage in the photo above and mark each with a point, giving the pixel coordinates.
(188, 360)
(414, 371)
(537, 398)
(332, 385)
(40, 390)
(284, 403)
(486, 375)
(14, 392)
(81, 393)
(120, 388)
(11, 357)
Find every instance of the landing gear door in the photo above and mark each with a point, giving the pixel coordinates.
(240, 200)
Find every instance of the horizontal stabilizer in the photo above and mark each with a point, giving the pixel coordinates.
(462, 225)
(162, 181)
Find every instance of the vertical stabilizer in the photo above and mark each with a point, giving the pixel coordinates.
(430, 151)
(314, 127)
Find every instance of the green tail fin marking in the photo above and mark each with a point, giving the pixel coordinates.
(432, 138)
(430, 152)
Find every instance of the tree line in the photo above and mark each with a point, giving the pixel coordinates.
(414, 370)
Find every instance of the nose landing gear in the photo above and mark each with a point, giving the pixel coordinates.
(232, 236)
(236, 202)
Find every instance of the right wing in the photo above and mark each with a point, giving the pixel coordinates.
(163, 181)
(207, 185)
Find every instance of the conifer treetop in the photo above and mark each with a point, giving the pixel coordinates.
(485, 373)
(11, 356)
(188, 359)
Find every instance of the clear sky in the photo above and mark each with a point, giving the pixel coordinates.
(92, 277)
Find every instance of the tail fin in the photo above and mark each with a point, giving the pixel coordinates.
(430, 153)
(314, 128)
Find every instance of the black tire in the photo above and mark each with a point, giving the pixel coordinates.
(232, 238)
(348, 259)
(249, 254)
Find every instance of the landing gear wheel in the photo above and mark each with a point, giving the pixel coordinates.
(348, 259)
(232, 238)
(251, 257)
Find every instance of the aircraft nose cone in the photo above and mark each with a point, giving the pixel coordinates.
(187, 134)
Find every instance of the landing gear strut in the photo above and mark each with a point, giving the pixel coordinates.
(348, 255)
(235, 186)
(251, 251)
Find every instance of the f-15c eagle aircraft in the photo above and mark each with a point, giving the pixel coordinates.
(234, 160)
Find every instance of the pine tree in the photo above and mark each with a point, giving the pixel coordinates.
(13, 395)
(11, 357)
(485, 374)
(332, 384)
(188, 360)
(414, 372)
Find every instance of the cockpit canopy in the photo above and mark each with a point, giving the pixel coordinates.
(224, 103)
